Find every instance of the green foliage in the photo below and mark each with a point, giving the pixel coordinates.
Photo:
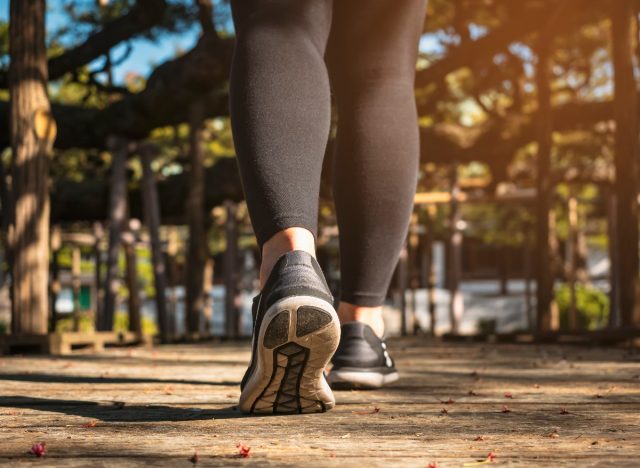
(3, 328)
(4, 39)
(591, 303)
(121, 324)
(85, 323)
(500, 225)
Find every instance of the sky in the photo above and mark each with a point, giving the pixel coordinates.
(146, 55)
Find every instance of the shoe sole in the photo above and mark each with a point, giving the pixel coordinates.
(296, 340)
(348, 379)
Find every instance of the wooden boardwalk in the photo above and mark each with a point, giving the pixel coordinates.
(529, 405)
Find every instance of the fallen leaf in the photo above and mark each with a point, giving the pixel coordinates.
(479, 439)
(505, 409)
(243, 450)
(38, 449)
(554, 434)
(432, 465)
(472, 393)
(168, 390)
(508, 395)
(448, 402)
(564, 411)
(489, 459)
(345, 436)
(194, 458)
(91, 423)
(444, 411)
(375, 410)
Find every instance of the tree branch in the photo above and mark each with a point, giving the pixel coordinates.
(142, 17)
(205, 16)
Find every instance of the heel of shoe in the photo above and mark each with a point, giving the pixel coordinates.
(298, 336)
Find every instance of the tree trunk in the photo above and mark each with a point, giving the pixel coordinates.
(454, 263)
(544, 269)
(614, 261)
(135, 320)
(401, 287)
(54, 283)
(98, 296)
(117, 218)
(32, 134)
(76, 285)
(428, 268)
(627, 152)
(152, 218)
(195, 218)
(230, 272)
(571, 263)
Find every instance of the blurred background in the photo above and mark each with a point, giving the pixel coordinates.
(122, 207)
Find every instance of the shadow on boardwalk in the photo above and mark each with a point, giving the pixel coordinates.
(529, 405)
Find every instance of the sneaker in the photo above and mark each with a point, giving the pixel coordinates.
(362, 359)
(295, 332)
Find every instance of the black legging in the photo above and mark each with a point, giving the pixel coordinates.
(281, 111)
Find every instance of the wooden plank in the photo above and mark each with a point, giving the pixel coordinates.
(65, 342)
(568, 406)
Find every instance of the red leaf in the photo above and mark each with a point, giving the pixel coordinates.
(38, 449)
(448, 402)
(432, 465)
(375, 410)
(194, 459)
(243, 450)
(505, 409)
(491, 456)
(89, 424)
(479, 439)
(508, 395)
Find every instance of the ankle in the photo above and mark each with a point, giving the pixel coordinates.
(284, 241)
(371, 316)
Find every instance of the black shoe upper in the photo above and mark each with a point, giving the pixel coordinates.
(361, 349)
(296, 273)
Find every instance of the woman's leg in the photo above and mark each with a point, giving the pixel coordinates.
(280, 114)
(372, 56)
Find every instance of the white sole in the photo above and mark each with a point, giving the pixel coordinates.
(345, 378)
(297, 338)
